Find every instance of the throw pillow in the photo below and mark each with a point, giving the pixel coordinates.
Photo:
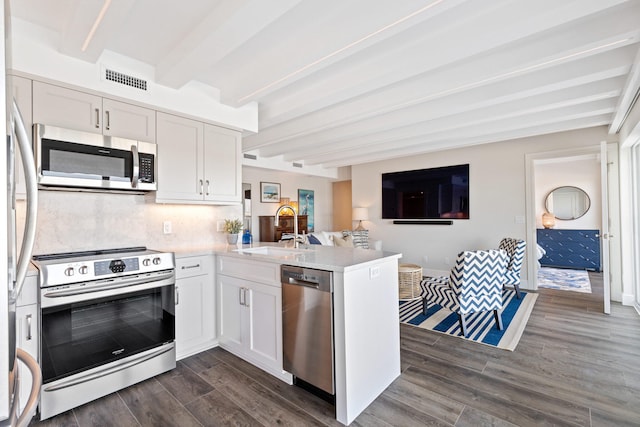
(360, 238)
(345, 242)
(313, 240)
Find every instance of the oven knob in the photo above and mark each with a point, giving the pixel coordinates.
(83, 269)
(68, 271)
(146, 262)
(156, 260)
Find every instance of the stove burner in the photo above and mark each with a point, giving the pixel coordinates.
(63, 255)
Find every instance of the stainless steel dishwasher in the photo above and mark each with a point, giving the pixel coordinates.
(307, 323)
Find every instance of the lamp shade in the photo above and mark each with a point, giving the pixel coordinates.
(360, 214)
(548, 220)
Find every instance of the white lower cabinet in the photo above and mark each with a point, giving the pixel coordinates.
(250, 313)
(195, 305)
(27, 332)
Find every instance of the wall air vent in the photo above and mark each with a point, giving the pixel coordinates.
(250, 156)
(125, 79)
(297, 165)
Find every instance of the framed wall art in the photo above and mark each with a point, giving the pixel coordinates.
(269, 192)
(306, 206)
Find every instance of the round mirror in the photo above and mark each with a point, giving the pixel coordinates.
(567, 203)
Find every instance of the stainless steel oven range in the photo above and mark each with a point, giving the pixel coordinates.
(107, 322)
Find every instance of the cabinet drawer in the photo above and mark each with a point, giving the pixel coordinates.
(193, 266)
(263, 272)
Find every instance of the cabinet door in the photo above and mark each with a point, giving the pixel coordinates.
(179, 159)
(128, 121)
(22, 95)
(195, 319)
(59, 106)
(264, 335)
(27, 338)
(222, 164)
(231, 313)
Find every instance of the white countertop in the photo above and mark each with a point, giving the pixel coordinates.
(313, 256)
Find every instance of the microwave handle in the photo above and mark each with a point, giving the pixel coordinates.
(136, 166)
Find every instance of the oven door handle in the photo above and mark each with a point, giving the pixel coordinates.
(105, 372)
(130, 284)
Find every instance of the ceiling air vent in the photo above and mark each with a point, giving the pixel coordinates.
(297, 165)
(250, 156)
(125, 79)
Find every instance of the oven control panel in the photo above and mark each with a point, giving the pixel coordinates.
(116, 266)
(78, 269)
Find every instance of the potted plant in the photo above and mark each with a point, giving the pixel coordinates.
(232, 227)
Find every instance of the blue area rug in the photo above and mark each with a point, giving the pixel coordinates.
(564, 279)
(481, 326)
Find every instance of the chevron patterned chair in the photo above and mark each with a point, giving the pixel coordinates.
(515, 250)
(474, 285)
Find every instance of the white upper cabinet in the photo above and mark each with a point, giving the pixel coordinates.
(179, 162)
(222, 170)
(67, 108)
(128, 121)
(58, 106)
(197, 162)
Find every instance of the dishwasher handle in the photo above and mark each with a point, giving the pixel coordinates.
(321, 280)
(301, 282)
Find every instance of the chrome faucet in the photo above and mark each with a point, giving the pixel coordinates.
(295, 223)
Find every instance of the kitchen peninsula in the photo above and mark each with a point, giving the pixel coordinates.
(365, 314)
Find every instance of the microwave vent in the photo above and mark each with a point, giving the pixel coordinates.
(125, 79)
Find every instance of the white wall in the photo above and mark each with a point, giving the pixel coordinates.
(581, 173)
(289, 185)
(497, 197)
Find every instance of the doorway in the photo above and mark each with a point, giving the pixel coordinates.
(546, 172)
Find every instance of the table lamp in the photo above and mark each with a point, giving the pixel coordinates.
(360, 214)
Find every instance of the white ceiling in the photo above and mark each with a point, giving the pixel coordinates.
(346, 82)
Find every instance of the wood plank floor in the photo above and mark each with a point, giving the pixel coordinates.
(573, 366)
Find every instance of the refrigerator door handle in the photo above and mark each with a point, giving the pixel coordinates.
(32, 199)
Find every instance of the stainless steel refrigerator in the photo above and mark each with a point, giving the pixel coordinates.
(13, 272)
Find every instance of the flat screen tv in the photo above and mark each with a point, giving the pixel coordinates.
(435, 193)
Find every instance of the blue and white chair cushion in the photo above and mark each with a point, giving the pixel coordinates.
(515, 249)
(474, 284)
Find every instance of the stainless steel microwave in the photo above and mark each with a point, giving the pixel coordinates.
(73, 159)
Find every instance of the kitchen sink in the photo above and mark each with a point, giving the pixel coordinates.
(273, 251)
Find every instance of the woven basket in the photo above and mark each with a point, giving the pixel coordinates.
(409, 276)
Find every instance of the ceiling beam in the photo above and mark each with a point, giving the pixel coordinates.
(216, 36)
(544, 32)
(83, 18)
(331, 120)
(421, 148)
(573, 97)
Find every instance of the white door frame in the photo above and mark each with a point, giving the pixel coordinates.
(530, 159)
(604, 231)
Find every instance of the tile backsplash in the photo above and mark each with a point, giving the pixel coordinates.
(73, 221)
